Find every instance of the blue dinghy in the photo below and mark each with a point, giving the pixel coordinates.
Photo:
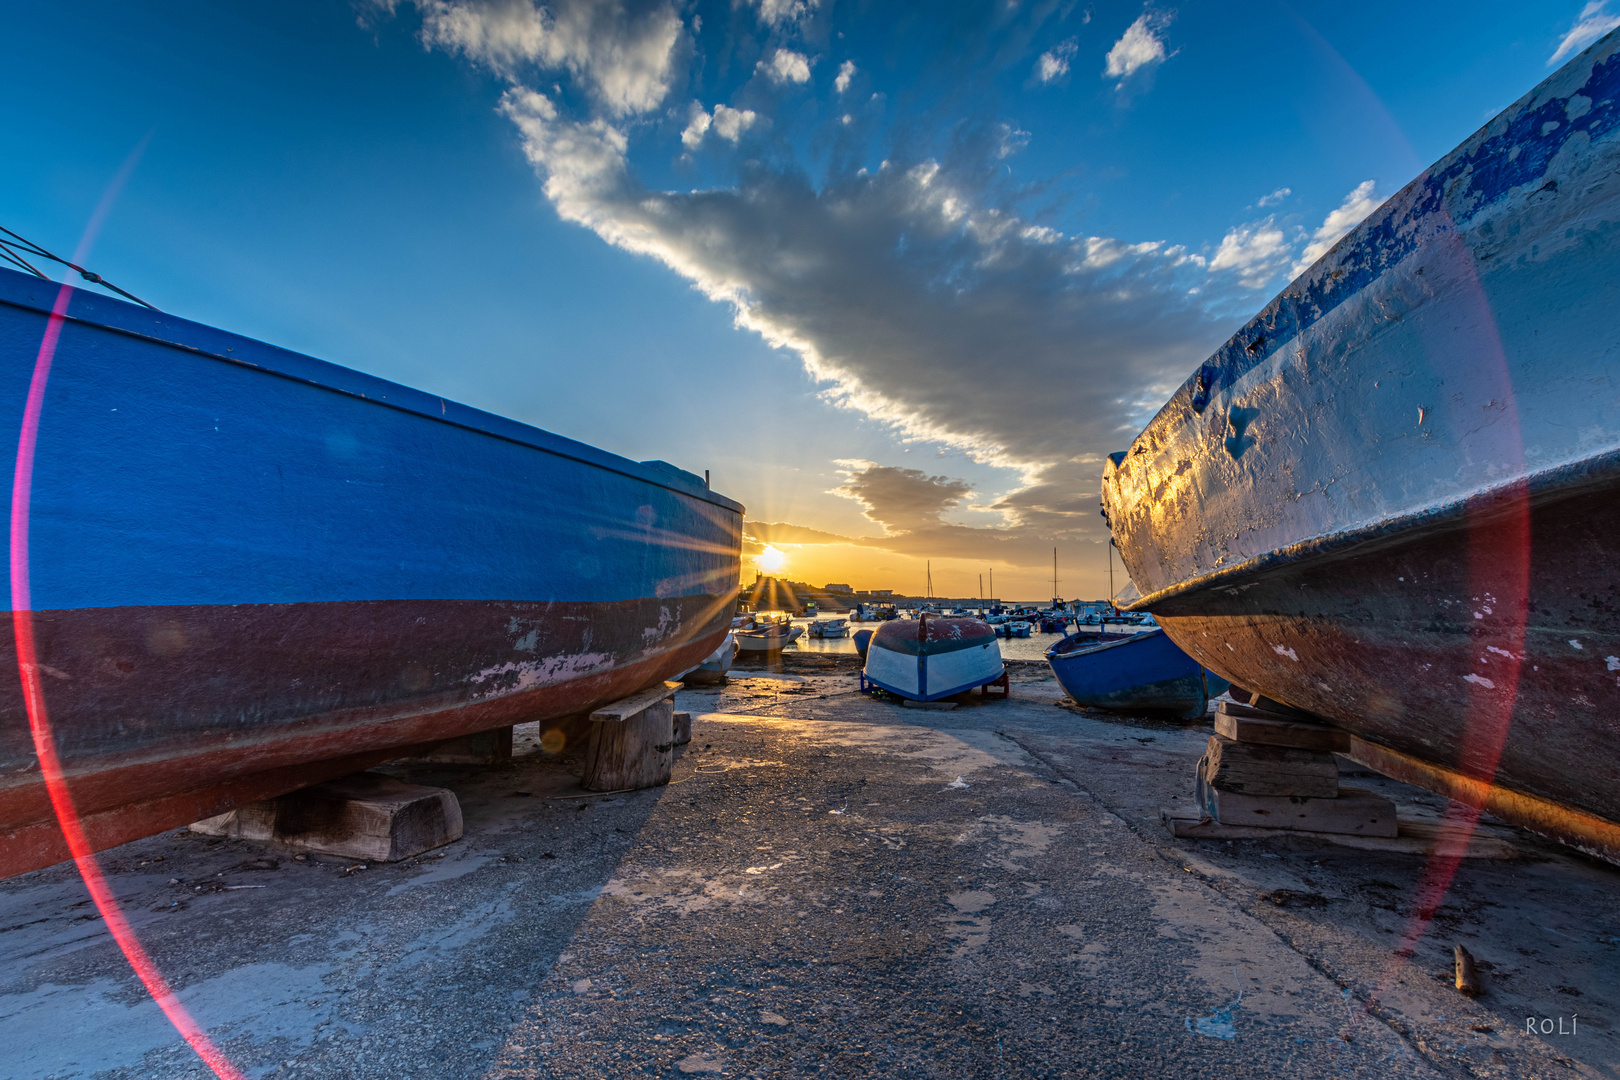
(940, 658)
(1133, 673)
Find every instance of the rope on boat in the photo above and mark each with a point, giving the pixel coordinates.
(13, 250)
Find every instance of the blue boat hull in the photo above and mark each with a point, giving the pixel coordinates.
(249, 567)
(1136, 673)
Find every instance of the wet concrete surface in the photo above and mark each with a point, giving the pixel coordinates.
(833, 887)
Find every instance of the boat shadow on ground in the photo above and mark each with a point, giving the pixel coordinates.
(318, 960)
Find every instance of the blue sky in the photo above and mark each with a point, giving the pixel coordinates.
(899, 275)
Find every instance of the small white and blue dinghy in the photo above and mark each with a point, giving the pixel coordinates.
(715, 666)
(933, 657)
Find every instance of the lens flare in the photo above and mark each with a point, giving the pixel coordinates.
(39, 724)
(28, 670)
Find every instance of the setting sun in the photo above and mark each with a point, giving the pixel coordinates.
(771, 560)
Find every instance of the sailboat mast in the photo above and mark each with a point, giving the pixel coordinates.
(1110, 569)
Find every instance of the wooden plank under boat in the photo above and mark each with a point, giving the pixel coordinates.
(1133, 673)
(251, 570)
(932, 658)
(1393, 497)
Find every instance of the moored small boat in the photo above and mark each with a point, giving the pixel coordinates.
(934, 657)
(863, 638)
(766, 632)
(828, 628)
(715, 666)
(1133, 673)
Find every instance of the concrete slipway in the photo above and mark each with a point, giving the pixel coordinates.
(834, 887)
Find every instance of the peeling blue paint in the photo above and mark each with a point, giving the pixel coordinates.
(1495, 167)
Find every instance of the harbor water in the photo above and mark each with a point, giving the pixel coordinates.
(1031, 648)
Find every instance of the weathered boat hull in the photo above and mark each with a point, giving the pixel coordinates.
(937, 657)
(251, 570)
(1480, 641)
(1389, 498)
(1134, 673)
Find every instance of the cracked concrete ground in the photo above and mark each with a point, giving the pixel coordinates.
(834, 886)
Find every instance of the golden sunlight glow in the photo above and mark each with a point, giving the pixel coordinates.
(866, 566)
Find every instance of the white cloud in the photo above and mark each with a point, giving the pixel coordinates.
(625, 59)
(730, 123)
(912, 300)
(778, 13)
(786, 66)
(1350, 213)
(846, 72)
(574, 159)
(1254, 252)
(906, 290)
(1013, 139)
(1593, 22)
(726, 122)
(1257, 251)
(1139, 47)
(696, 127)
(1054, 63)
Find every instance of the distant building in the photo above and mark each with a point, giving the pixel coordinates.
(837, 588)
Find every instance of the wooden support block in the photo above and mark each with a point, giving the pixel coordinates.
(1355, 811)
(1274, 712)
(1258, 769)
(1246, 727)
(480, 748)
(635, 704)
(683, 728)
(1237, 708)
(1266, 706)
(362, 816)
(1420, 838)
(634, 752)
